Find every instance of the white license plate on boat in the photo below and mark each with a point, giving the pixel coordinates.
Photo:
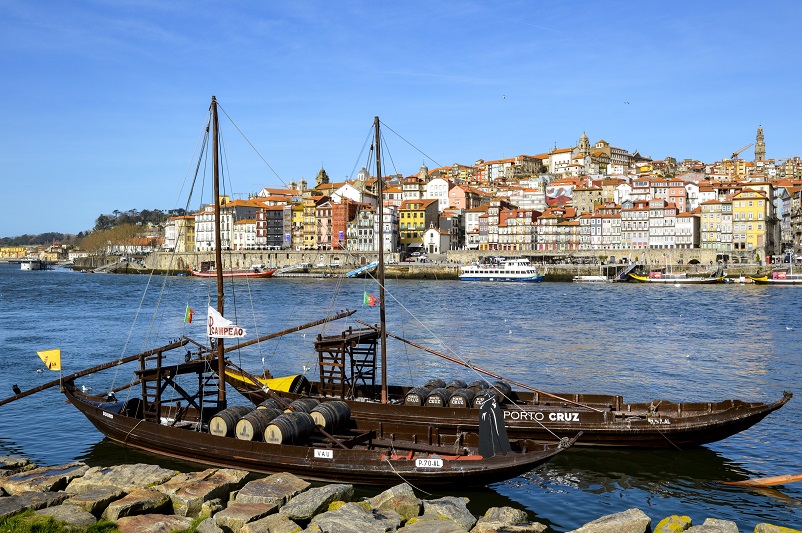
(324, 454)
(428, 463)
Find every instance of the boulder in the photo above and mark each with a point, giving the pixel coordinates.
(138, 501)
(507, 519)
(153, 523)
(97, 499)
(209, 508)
(46, 478)
(452, 508)
(356, 518)
(11, 505)
(432, 524)
(14, 464)
(124, 477)
(400, 499)
(770, 528)
(73, 515)
(276, 489)
(236, 515)
(673, 524)
(209, 526)
(629, 521)
(274, 523)
(189, 491)
(714, 525)
(314, 501)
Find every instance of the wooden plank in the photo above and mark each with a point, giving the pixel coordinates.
(766, 481)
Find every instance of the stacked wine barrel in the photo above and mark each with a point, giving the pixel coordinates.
(457, 393)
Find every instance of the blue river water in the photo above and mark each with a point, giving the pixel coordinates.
(689, 343)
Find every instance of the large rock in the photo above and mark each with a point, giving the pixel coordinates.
(276, 489)
(452, 508)
(97, 499)
(14, 464)
(629, 521)
(209, 526)
(236, 515)
(123, 477)
(314, 501)
(275, 523)
(507, 519)
(400, 499)
(46, 478)
(432, 524)
(153, 523)
(770, 528)
(10, 505)
(356, 518)
(189, 491)
(673, 524)
(714, 525)
(138, 501)
(69, 513)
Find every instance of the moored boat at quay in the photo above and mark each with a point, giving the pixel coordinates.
(517, 269)
(659, 275)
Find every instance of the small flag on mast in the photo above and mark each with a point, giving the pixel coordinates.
(369, 299)
(188, 314)
(51, 358)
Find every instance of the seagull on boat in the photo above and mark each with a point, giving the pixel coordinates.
(16, 389)
(84, 388)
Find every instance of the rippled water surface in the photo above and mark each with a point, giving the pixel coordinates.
(679, 343)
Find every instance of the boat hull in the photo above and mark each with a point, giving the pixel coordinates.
(235, 274)
(379, 467)
(529, 279)
(604, 420)
(677, 281)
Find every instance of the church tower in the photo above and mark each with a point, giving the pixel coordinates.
(322, 178)
(760, 145)
(584, 145)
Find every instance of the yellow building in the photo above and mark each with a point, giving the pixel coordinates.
(415, 217)
(297, 225)
(12, 252)
(750, 210)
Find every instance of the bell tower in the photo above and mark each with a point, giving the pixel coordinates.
(760, 145)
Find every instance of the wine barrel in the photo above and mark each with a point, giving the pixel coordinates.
(504, 391)
(461, 398)
(478, 386)
(331, 416)
(302, 405)
(435, 383)
(290, 428)
(224, 423)
(252, 426)
(484, 396)
(438, 398)
(272, 403)
(417, 396)
(456, 384)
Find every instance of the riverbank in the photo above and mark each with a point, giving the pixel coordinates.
(147, 497)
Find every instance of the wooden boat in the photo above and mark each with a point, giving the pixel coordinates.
(659, 275)
(255, 272)
(604, 420)
(779, 277)
(516, 269)
(170, 419)
(590, 278)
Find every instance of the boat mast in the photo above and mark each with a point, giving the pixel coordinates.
(218, 256)
(380, 216)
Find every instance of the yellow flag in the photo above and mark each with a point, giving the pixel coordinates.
(51, 358)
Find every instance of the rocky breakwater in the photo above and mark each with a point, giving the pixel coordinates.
(147, 498)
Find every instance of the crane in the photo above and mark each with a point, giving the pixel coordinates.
(735, 154)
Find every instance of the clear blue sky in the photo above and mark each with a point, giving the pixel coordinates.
(103, 101)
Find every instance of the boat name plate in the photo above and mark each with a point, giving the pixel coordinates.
(324, 454)
(108, 415)
(429, 463)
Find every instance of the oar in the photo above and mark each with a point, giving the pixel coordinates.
(94, 369)
(766, 481)
(479, 369)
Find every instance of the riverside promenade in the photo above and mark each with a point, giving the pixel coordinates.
(144, 497)
(440, 266)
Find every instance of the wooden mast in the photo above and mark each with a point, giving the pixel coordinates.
(218, 256)
(380, 216)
